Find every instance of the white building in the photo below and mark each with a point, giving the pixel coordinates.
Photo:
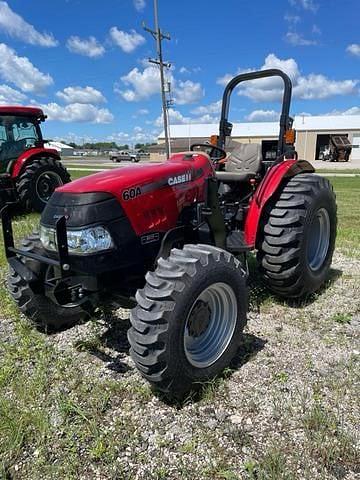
(312, 134)
(63, 149)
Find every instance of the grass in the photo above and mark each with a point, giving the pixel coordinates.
(347, 194)
(354, 171)
(61, 416)
(75, 174)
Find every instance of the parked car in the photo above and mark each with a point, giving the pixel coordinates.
(124, 155)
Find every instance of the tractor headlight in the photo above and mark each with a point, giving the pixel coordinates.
(80, 242)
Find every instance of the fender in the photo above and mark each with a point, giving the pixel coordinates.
(29, 155)
(268, 186)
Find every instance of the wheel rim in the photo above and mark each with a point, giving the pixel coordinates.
(46, 184)
(319, 239)
(210, 325)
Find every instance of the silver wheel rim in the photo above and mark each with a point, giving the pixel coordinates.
(319, 239)
(210, 325)
(46, 184)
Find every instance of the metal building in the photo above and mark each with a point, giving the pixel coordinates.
(312, 139)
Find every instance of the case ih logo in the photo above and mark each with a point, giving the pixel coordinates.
(186, 177)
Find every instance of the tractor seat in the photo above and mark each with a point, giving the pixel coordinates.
(243, 163)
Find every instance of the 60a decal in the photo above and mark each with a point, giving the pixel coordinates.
(131, 193)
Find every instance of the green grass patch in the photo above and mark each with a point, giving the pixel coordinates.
(347, 197)
(355, 171)
(75, 174)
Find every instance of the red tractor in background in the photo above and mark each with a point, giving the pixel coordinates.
(171, 241)
(29, 172)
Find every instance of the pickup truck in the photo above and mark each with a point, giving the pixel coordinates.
(124, 155)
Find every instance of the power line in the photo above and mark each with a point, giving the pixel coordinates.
(159, 36)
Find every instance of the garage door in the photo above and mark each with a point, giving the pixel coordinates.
(355, 154)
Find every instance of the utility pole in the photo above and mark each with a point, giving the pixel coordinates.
(159, 37)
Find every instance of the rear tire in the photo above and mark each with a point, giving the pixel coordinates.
(299, 231)
(46, 315)
(177, 340)
(38, 181)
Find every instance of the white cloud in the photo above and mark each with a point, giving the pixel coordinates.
(141, 113)
(354, 49)
(312, 86)
(142, 84)
(188, 71)
(21, 72)
(188, 92)
(138, 135)
(318, 86)
(118, 137)
(128, 42)
(9, 95)
(206, 119)
(214, 107)
(292, 19)
(81, 95)
(349, 111)
(16, 27)
(139, 5)
(175, 118)
(294, 37)
(309, 5)
(262, 116)
(76, 138)
(89, 47)
(77, 112)
(297, 39)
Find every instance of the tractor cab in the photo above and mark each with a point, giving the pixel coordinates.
(29, 172)
(19, 131)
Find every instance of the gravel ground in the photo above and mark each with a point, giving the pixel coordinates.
(287, 409)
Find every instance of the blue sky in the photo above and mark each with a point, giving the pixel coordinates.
(84, 61)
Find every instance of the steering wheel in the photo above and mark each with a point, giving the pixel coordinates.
(212, 149)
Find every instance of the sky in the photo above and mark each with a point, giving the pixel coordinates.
(85, 62)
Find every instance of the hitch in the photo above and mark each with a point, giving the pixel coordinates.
(13, 254)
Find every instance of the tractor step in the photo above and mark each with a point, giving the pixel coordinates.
(235, 242)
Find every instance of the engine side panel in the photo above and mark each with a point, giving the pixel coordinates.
(268, 186)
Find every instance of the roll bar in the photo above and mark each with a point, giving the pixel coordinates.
(285, 121)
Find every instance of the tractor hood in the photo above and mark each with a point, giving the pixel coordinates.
(180, 169)
(150, 196)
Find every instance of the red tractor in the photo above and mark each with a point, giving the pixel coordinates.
(171, 241)
(29, 172)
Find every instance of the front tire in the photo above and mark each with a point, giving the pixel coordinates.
(38, 181)
(43, 313)
(188, 322)
(298, 240)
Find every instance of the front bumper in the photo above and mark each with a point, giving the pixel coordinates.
(67, 287)
(61, 258)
